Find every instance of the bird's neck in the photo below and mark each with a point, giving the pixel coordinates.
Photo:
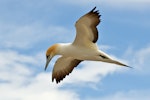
(62, 47)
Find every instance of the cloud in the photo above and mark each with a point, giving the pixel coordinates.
(38, 88)
(128, 95)
(15, 67)
(127, 3)
(21, 73)
(90, 72)
(124, 4)
(143, 55)
(25, 36)
(19, 79)
(140, 59)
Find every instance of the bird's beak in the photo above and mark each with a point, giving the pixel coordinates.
(48, 59)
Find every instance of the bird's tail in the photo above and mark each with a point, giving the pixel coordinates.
(108, 59)
(119, 63)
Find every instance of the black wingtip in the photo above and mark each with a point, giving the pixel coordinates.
(97, 11)
(129, 66)
(93, 9)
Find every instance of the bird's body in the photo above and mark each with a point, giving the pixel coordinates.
(77, 52)
(83, 48)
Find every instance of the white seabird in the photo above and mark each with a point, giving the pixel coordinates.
(83, 48)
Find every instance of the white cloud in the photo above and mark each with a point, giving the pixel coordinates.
(143, 55)
(125, 4)
(38, 88)
(19, 36)
(128, 95)
(105, 47)
(15, 67)
(139, 60)
(93, 72)
(90, 72)
(25, 36)
(20, 80)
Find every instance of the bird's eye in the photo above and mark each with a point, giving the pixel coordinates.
(47, 57)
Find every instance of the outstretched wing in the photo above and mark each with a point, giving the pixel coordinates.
(62, 67)
(86, 31)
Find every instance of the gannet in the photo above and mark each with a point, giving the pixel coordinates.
(83, 48)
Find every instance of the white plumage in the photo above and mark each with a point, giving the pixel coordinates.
(83, 48)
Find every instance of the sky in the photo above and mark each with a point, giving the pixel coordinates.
(29, 27)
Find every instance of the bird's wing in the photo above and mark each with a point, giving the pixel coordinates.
(86, 31)
(62, 67)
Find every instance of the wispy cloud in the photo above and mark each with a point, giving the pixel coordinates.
(127, 95)
(17, 36)
(126, 4)
(140, 59)
(20, 80)
(90, 72)
(21, 73)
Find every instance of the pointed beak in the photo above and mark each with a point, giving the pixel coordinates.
(48, 59)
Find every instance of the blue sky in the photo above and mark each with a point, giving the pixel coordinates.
(29, 27)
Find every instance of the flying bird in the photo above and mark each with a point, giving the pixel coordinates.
(83, 48)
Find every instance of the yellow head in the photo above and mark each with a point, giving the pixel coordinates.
(50, 53)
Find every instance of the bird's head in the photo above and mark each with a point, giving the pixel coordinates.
(50, 53)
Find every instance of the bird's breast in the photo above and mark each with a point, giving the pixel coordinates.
(77, 52)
